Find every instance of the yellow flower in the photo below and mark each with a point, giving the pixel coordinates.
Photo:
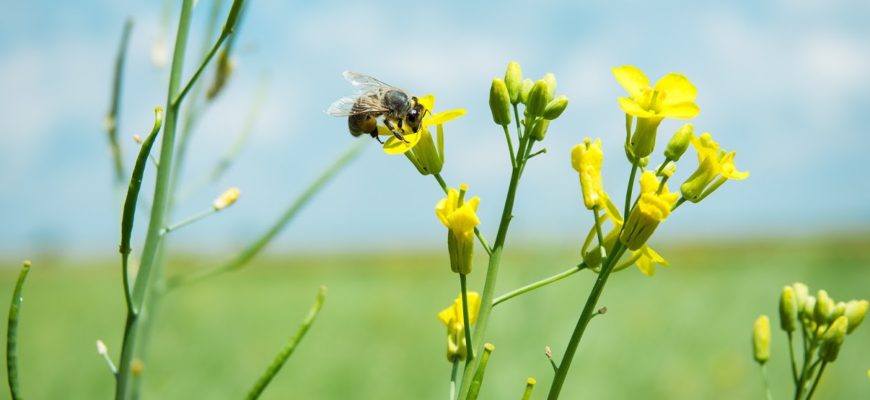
(587, 159)
(453, 318)
(396, 146)
(761, 339)
(460, 218)
(653, 206)
(673, 96)
(715, 167)
(645, 259)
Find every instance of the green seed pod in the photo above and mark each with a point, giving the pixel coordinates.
(555, 107)
(499, 102)
(761, 339)
(537, 99)
(540, 129)
(832, 340)
(855, 312)
(525, 90)
(788, 309)
(824, 308)
(513, 78)
(679, 142)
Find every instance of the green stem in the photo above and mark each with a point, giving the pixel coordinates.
(678, 204)
(530, 385)
(477, 233)
(288, 349)
(510, 144)
(467, 325)
(492, 272)
(477, 382)
(794, 373)
(541, 283)
(816, 381)
(453, 371)
(161, 197)
(630, 188)
(12, 333)
(115, 105)
(258, 245)
(766, 382)
(805, 371)
(586, 316)
(189, 220)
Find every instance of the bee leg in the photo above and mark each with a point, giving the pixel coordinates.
(396, 132)
(374, 134)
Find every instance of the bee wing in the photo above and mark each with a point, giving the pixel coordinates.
(354, 105)
(365, 83)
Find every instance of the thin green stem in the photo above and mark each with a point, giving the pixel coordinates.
(200, 69)
(477, 382)
(260, 243)
(12, 333)
(477, 233)
(794, 373)
(630, 188)
(585, 316)
(517, 119)
(189, 220)
(537, 153)
(805, 370)
(288, 349)
(601, 250)
(115, 105)
(816, 381)
(453, 371)
(161, 198)
(541, 283)
(466, 325)
(510, 143)
(766, 382)
(678, 204)
(530, 385)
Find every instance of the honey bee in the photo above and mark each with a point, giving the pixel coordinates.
(377, 103)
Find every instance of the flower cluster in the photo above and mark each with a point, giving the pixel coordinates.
(823, 324)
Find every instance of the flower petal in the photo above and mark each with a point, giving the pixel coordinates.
(677, 89)
(684, 110)
(632, 79)
(396, 146)
(428, 102)
(632, 108)
(442, 117)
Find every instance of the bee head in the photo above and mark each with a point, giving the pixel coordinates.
(415, 115)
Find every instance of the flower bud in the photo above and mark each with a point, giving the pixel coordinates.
(761, 339)
(555, 107)
(801, 292)
(226, 199)
(788, 309)
(551, 85)
(824, 308)
(855, 312)
(679, 142)
(537, 99)
(809, 307)
(668, 170)
(460, 218)
(425, 155)
(644, 138)
(832, 340)
(540, 129)
(513, 78)
(499, 102)
(525, 90)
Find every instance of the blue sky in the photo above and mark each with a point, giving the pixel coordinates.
(783, 83)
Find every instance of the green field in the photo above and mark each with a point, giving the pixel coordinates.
(683, 334)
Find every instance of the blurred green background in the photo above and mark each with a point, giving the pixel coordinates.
(683, 334)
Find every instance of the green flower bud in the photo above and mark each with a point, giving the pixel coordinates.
(839, 310)
(500, 102)
(537, 99)
(801, 292)
(555, 107)
(806, 312)
(788, 309)
(540, 129)
(551, 85)
(679, 142)
(832, 340)
(824, 308)
(513, 78)
(855, 312)
(525, 90)
(644, 138)
(761, 339)
(425, 155)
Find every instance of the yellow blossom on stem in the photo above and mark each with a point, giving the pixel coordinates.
(715, 167)
(587, 159)
(645, 259)
(673, 96)
(452, 317)
(395, 146)
(460, 218)
(653, 206)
